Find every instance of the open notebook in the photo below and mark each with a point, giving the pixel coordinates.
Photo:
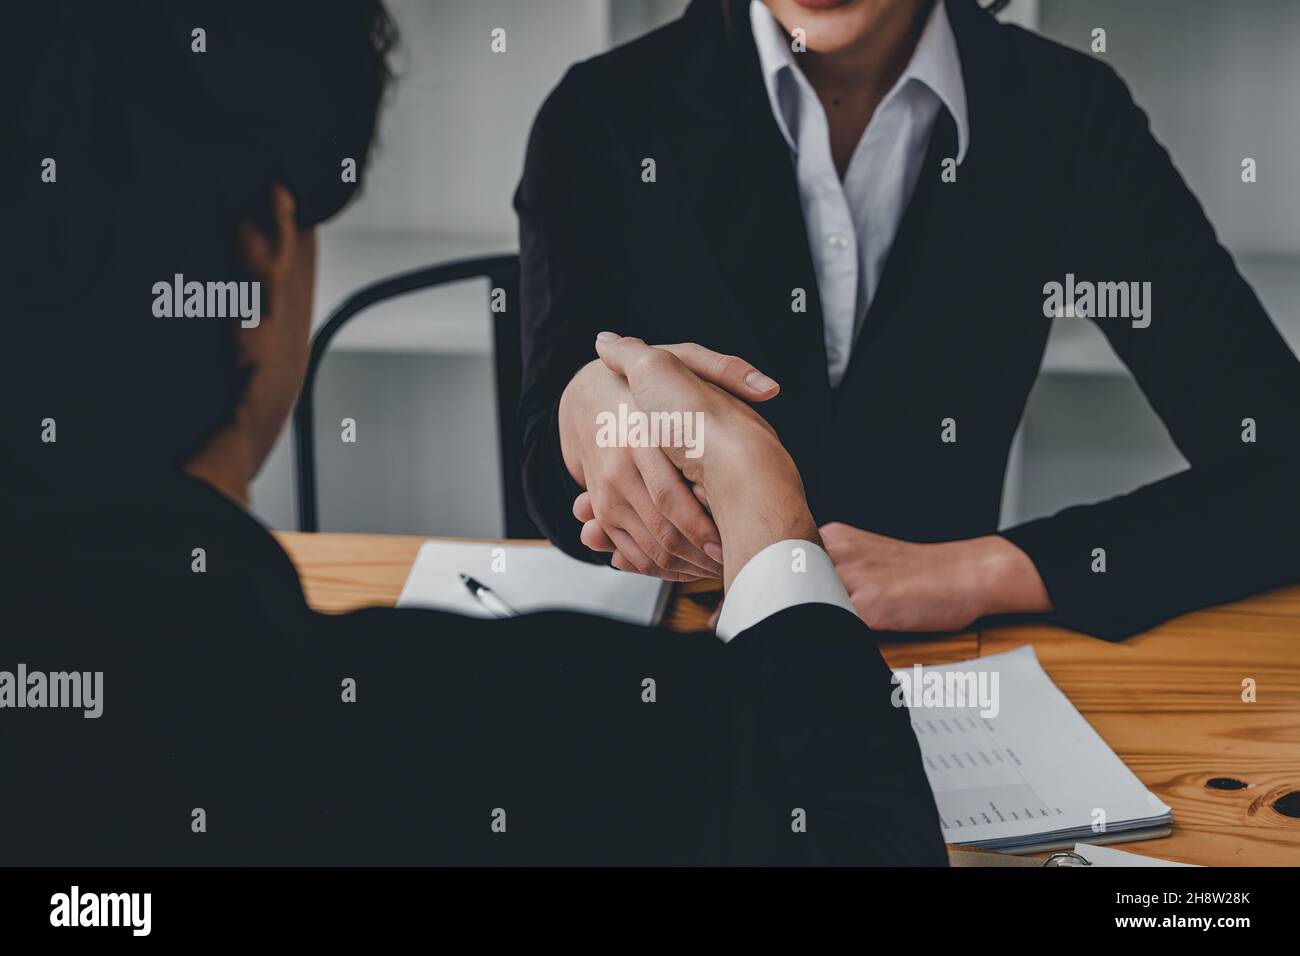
(1031, 776)
(528, 578)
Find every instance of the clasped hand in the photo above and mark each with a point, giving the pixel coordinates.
(662, 513)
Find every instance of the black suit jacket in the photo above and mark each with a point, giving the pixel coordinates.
(223, 691)
(1062, 176)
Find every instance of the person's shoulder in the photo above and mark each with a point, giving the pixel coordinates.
(647, 58)
(1050, 70)
(618, 78)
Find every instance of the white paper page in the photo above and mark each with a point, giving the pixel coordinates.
(1034, 767)
(1105, 856)
(535, 578)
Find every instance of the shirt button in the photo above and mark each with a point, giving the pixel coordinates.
(837, 240)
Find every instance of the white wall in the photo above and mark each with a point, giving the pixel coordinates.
(453, 135)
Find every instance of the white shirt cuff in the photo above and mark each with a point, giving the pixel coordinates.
(782, 575)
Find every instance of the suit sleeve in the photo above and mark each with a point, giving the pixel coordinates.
(569, 278)
(832, 744)
(1213, 367)
(794, 712)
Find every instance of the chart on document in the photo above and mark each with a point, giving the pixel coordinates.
(1013, 764)
(976, 779)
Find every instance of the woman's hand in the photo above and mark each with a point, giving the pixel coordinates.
(756, 493)
(902, 586)
(272, 355)
(637, 504)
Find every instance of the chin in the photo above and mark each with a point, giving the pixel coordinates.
(830, 25)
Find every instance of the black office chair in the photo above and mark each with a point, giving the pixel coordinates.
(502, 272)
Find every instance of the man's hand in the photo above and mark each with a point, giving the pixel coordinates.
(902, 586)
(637, 504)
(755, 492)
(272, 354)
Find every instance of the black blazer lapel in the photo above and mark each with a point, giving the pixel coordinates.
(941, 233)
(743, 199)
(921, 244)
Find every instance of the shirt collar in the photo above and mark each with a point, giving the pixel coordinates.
(935, 63)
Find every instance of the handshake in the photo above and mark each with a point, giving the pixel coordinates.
(666, 503)
(677, 507)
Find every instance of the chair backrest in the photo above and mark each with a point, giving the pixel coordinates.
(502, 272)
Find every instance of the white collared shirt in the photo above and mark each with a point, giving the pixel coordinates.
(782, 575)
(852, 224)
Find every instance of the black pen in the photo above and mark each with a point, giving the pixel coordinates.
(487, 597)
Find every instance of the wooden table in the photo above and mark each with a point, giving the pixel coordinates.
(1169, 702)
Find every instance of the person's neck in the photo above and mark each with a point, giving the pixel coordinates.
(852, 82)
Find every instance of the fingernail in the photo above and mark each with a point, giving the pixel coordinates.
(608, 337)
(759, 382)
(713, 550)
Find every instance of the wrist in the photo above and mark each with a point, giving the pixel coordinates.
(756, 498)
(569, 419)
(741, 452)
(1005, 579)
